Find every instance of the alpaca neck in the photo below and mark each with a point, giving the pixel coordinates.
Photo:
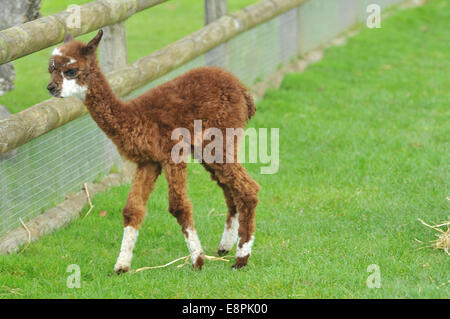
(105, 107)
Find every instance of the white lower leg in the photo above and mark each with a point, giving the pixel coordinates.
(123, 263)
(230, 234)
(194, 246)
(246, 248)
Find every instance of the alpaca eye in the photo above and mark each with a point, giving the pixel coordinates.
(71, 72)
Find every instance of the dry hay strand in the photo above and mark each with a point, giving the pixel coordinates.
(186, 262)
(89, 200)
(13, 291)
(28, 233)
(443, 236)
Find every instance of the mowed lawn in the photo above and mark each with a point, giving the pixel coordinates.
(363, 153)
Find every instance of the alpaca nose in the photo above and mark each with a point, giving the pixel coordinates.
(52, 87)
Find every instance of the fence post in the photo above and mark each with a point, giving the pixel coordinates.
(113, 55)
(14, 12)
(113, 47)
(214, 9)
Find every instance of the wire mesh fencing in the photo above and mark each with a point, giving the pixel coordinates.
(42, 172)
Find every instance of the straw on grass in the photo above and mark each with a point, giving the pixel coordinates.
(443, 241)
(29, 235)
(185, 258)
(89, 200)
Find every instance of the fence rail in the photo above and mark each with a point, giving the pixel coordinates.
(42, 33)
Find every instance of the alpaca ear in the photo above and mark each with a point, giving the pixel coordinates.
(68, 38)
(92, 45)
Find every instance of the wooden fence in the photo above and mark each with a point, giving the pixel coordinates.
(33, 36)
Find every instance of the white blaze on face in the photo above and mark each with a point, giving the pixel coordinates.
(57, 51)
(193, 243)
(126, 250)
(71, 88)
(246, 248)
(230, 234)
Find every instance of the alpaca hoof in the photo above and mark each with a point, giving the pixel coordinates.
(222, 252)
(199, 262)
(241, 262)
(120, 269)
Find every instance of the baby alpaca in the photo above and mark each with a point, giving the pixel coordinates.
(141, 129)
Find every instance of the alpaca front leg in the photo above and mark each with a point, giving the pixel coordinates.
(123, 263)
(180, 207)
(246, 203)
(134, 211)
(243, 190)
(133, 216)
(230, 234)
(195, 247)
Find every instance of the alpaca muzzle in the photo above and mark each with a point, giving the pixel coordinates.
(53, 90)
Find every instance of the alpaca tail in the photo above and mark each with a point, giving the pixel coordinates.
(250, 105)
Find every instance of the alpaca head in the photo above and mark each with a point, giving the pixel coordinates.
(70, 66)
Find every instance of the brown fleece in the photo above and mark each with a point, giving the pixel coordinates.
(141, 129)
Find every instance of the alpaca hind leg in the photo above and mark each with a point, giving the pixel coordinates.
(244, 192)
(180, 207)
(230, 232)
(134, 212)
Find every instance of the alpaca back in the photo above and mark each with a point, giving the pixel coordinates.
(210, 94)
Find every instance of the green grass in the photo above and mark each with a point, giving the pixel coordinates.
(147, 31)
(363, 153)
